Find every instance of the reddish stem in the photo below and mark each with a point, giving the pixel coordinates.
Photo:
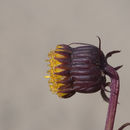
(114, 86)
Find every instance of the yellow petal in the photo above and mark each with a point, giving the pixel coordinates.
(47, 76)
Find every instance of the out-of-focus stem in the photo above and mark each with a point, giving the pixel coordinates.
(123, 126)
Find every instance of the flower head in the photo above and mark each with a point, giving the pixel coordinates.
(77, 69)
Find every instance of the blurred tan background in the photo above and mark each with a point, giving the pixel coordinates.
(29, 29)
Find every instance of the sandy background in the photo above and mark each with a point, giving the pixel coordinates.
(28, 30)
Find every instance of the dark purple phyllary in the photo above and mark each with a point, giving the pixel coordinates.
(83, 69)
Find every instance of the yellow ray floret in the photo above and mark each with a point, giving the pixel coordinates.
(53, 77)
